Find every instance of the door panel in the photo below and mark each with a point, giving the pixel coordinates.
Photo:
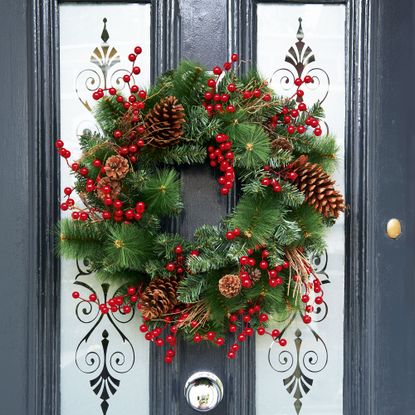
(307, 376)
(104, 358)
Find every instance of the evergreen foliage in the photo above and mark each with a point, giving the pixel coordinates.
(121, 234)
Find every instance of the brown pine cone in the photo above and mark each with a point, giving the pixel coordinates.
(116, 167)
(282, 143)
(159, 298)
(113, 184)
(230, 285)
(164, 123)
(318, 188)
(255, 275)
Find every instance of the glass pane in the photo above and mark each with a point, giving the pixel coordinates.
(306, 376)
(104, 360)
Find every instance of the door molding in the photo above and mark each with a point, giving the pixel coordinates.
(360, 305)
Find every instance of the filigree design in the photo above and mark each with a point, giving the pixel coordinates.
(301, 362)
(104, 58)
(300, 57)
(91, 359)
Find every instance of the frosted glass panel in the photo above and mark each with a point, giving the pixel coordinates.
(306, 377)
(104, 360)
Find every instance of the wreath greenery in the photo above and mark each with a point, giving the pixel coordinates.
(229, 277)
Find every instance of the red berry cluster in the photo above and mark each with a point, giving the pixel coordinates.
(178, 264)
(306, 299)
(155, 336)
(247, 331)
(233, 234)
(272, 177)
(248, 261)
(117, 212)
(122, 303)
(129, 145)
(223, 158)
(288, 117)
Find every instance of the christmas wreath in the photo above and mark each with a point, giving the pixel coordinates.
(229, 277)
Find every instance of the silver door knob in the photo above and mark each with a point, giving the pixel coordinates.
(203, 391)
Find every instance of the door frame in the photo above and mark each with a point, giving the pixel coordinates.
(44, 305)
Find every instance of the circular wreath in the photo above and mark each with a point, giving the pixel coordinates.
(229, 277)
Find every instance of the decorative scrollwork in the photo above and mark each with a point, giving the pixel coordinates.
(300, 57)
(307, 354)
(93, 354)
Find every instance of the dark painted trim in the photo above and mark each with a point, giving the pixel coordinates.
(359, 331)
(44, 306)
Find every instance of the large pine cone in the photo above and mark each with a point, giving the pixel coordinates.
(164, 123)
(159, 298)
(230, 285)
(318, 188)
(116, 167)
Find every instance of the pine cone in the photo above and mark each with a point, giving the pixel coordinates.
(164, 123)
(230, 285)
(159, 297)
(113, 184)
(282, 143)
(116, 167)
(255, 275)
(318, 188)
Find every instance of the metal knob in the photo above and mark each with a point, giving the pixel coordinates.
(203, 391)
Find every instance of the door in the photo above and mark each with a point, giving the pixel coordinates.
(57, 359)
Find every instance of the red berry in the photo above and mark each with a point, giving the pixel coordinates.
(234, 57)
(231, 87)
(140, 207)
(314, 123)
(308, 79)
(197, 338)
(75, 215)
(261, 331)
(302, 106)
(211, 335)
(241, 337)
(319, 300)
(265, 181)
(301, 129)
(231, 355)
(294, 113)
(148, 336)
(305, 298)
(112, 91)
(59, 144)
(220, 341)
(246, 283)
(282, 342)
(170, 267)
(235, 347)
(298, 82)
(211, 83)
(230, 108)
(275, 333)
(300, 93)
(208, 96)
(132, 57)
(170, 353)
(217, 70)
(263, 317)
(263, 265)
(227, 66)
(307, 319)
(317, 131)
(267, 97)
(236, 231)
(230, 236)
(233, 328)
(75, 294)
(249, 331)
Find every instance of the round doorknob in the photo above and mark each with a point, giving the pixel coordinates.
(203, 391)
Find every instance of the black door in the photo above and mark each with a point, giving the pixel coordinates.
(379, 367)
